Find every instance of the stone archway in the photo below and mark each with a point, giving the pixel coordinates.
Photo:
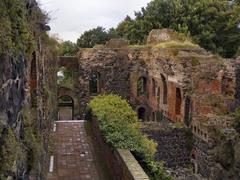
(65, 108)
(62, 92)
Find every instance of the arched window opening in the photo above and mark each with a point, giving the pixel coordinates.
(33, 80)
(153, 116)
(178, 101)
(158, 95)
(94, 83)
(65, 108)
(65, 78)
(153, 87)
(165, 89)
(142, 86)
(187, 112)
(194, 163)
(141, 113)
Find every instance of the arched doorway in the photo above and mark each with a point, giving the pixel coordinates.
(65, 108)
(142, 113)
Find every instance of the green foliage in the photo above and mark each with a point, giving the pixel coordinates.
(121, 129)
(67, 48)
(96, 36)
(213, 25)
(65, 78)
(15, 33)
(10, 152)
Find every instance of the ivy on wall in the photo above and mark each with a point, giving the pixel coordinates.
(20, 26)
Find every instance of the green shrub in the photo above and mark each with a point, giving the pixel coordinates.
(121, 129)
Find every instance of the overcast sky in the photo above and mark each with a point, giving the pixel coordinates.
(70, 18)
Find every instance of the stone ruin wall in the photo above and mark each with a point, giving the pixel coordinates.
(201, 90)
(113, 69)
(27, 106)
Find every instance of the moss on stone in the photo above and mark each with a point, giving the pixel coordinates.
(10, 152)
(33, 140)
(15, 33)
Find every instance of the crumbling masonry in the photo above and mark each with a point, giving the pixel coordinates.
(184, 96)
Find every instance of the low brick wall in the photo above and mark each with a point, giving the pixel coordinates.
(120, 162)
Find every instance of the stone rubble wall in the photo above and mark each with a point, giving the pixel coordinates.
(172, 148)
(28, 103)
(113, 67)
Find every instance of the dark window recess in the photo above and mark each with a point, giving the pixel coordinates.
(141, 113)
(94, 83)
(165, 89)
(187, 113)
(178, 101)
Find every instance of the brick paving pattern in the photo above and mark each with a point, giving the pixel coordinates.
(73, 154)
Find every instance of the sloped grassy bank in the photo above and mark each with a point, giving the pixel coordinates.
(121, 128)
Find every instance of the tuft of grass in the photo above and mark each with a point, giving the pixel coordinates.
(168, 44)
(176, 44)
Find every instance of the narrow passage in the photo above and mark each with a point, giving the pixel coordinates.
(74, 157)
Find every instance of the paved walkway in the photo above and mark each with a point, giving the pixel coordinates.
(73, 155)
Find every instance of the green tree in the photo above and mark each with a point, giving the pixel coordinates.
(67, 48)
(96, 36)
(213, 24)
(92, 37)
(112, 33)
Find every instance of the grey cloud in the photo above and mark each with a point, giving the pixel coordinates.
(70, 18)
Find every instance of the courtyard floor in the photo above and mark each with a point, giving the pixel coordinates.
(73, 156)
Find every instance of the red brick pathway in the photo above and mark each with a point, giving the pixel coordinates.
(73, 154)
